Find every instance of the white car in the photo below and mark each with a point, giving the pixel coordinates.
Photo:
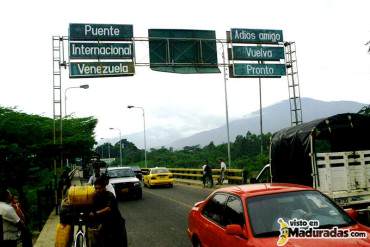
(124, 182)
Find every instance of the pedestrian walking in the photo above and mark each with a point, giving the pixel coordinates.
(222, 171)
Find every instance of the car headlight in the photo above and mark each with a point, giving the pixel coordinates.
(136, 184)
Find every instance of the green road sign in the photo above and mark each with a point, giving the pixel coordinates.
(101, 69)
(262, 53)
(259, 36)
(257, 70)
(109, 32)
(183, 51)
(100, 50)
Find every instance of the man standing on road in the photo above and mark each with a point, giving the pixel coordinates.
(207, 174)
(222, 172)
(11, 223)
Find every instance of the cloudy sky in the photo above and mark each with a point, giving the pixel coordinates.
(330, 36)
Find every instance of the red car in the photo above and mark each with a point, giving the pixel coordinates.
(263, 215)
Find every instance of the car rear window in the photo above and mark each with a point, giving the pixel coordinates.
(160, 170)
(120, 173)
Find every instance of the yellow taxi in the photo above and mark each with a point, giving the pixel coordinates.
(158, 176)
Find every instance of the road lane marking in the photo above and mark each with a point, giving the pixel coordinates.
(170, 199)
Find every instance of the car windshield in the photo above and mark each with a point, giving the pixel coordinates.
(264, 211)
(160, 170)
(121, 173)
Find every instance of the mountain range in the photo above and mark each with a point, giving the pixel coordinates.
(275, 117)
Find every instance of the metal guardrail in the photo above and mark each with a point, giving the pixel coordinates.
(234, 176)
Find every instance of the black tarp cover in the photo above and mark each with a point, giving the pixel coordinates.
(290, 147)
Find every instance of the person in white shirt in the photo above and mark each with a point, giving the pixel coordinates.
(223, 171)
(11, 223)
(97, 174)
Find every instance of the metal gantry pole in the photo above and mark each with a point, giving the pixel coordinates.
(57, 46)
(293, 83)
(61, 45)
(261, 130)
(226, 107)
(261, 121)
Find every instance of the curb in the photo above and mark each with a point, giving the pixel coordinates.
(47, 235)
(200, 185)
(48, 232)
(188, 183)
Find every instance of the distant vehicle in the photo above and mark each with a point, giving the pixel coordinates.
(158, 176)
(138, 172)
(256, 215)
(330, 154)
(124, 181)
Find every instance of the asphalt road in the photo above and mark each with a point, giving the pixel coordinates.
(160, 218)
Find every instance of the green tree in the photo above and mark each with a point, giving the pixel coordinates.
(27, 150)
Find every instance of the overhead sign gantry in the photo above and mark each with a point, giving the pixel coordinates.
(108, 50)
(99, 43)
(258, 53)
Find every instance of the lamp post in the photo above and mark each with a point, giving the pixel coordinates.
(129, 107)
(84, 86)
(120, 144)
(108, 150)
(101, 146)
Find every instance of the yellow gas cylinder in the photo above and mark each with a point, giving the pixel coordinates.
(81, 195)
(64, 235)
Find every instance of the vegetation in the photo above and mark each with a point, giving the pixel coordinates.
(27, 151)
(245, 152)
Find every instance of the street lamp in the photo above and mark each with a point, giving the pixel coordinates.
(120, 144)
(84, 86)
(101, 146)
(108, 146)
(129, 107)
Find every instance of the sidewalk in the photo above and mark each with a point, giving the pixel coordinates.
(48, 232)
